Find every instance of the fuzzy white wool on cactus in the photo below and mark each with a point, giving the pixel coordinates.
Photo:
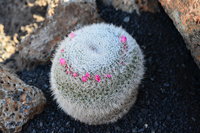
(96, 72)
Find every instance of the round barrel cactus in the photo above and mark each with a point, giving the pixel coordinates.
(96, 72)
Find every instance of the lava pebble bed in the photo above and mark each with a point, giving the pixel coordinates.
(169, 96)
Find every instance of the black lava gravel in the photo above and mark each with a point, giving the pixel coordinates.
(169, 96)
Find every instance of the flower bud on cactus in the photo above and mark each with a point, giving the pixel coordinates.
(96, 72)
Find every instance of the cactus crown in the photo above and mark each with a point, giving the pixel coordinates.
(96, 66)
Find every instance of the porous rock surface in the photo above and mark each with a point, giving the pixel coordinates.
(18, 102)
(134, 5)
(39, 46)
(186, 17)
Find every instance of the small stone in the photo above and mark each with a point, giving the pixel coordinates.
(166, 85)
(126, 19)
(193, 119)
(68, 124)
(41, 124)
(46, 86)
(152, 79)
(146, 125)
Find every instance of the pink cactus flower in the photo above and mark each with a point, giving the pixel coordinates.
(97, 78)
(123, 39)
(72, 35)
(75, 74)
(87, 75)
(62, 61)
(84, 79)
(108, 76)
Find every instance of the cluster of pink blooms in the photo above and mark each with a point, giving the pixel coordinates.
(72, 35)
(123, 40)
(84, 78)
(87, 76)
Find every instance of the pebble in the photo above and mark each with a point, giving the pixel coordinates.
(41, 124)
(166, 85)
(46, 86)
(126, 19)
(146, 125)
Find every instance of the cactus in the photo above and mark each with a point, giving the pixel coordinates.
(96, 72)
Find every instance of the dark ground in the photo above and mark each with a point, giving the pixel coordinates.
(169, 96)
